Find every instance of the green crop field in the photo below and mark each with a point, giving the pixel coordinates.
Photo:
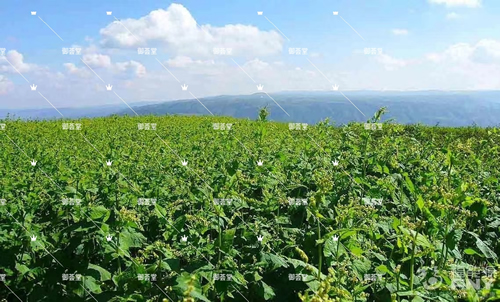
(259, 212)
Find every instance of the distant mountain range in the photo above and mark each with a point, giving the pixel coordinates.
(462, 108)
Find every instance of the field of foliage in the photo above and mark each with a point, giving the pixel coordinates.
(405, 213)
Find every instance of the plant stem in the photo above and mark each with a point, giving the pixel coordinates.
(319, 251)
(412, 261)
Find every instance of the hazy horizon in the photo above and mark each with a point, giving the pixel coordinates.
(146, 102)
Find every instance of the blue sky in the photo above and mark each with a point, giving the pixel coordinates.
(426, 44)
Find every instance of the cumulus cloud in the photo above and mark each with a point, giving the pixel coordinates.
(400, 32)
(97, 60)
(17, 60)
(449, 3)
(460, 66)
(5, 85)
(126, 69)
(184, 62)
(255, 65)
(177, 31)
(78, 71)
(130, 69)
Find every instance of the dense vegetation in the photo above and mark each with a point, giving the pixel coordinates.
(439, 211)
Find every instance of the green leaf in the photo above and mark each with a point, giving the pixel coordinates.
(409, 183)
(275, 260)
(453, 238)
(227, 239)
(420, 203)
(23, 269)
(483, 247)
(131, 238)
(268, 292)
(104, 274)
(471, 252)
(361, 266)
(99, 212)
(186, 280)
(91, 285)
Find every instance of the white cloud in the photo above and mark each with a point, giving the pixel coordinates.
(17, 60)
(452, 15)
(5, 85)
(460, 66)
(131, 68)
(177, 31)
(399, 32)
(449, 3)
(391, 63)
(97, 60)
(121, 69)
(255, 65)
(81, 72)
(184, 62)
